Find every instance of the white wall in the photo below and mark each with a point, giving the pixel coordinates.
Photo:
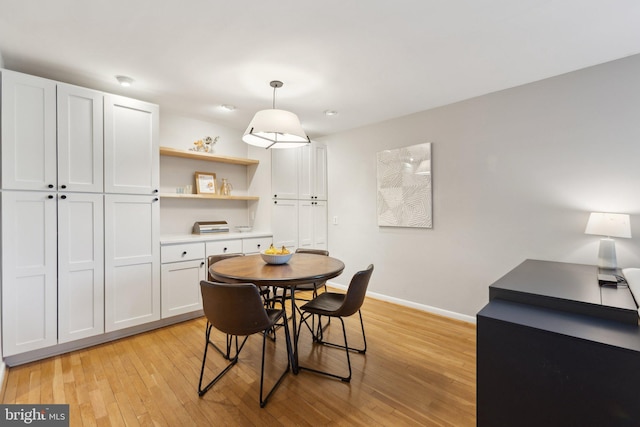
(515, 175)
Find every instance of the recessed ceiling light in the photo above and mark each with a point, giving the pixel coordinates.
(124, 81)
(228, 107)
(330, 113)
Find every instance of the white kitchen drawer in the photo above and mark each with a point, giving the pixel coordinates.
(182, 252)
(256, 245)
(224, 247)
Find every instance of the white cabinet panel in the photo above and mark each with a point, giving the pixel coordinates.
(132, 261)
(80, 266)
(131, 151)
(80, 139)
(224, 247)
(182, 252)
(319, 171)
(28, 132)
(284, 216)
(320, 225)
(312, 232)
(29, 276)
(256, 245)
(284, 173)
(181, 287)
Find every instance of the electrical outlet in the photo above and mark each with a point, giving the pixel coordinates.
(335, 220)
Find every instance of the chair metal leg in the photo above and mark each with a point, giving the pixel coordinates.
(317, 336)
(346, 347)
(233, 361)
(263, 401)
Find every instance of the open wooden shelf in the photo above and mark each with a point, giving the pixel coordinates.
(198, 155)
(206, 196)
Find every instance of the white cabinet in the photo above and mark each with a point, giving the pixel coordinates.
(63, 238)
(132, 260)
(131, 152)
(285, 165)
(312, 226)
(53, 268)
(299, 175)
(33, 118)
(80, 266)
(219, 247)
(284, 223)
(256, 245)
(29, 282)
(183, 267)
(28, 132)
(313, 172)
(80, 139)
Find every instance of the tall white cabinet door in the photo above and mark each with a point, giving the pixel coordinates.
(28, 132)
(132, 261)
(320, 225)
(305, 224)
(80, 139)
(284, 215)
(29, 282)
(80, 266)
(312, 226)
(181, 287)
(305, 173)
(319, 171)
(284, 173)
(131, 152)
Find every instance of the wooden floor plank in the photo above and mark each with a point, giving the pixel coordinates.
(419, 370)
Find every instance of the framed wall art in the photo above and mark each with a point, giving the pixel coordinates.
(404, 196)
(205, 183)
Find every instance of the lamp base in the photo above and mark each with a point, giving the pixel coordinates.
(607, 254)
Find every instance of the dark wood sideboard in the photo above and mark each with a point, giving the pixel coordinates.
(556, 349)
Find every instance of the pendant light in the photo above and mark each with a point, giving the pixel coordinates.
(275, 128)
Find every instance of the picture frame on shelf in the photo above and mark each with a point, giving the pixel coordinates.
(205, 182)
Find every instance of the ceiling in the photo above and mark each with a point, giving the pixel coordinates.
(370, 60)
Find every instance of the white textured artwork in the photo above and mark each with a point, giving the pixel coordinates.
(404, 187)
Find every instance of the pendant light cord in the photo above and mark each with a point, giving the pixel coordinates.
(274, 96)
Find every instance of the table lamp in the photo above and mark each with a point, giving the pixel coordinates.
(609, 225)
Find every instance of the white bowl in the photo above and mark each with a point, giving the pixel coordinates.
(276, 259)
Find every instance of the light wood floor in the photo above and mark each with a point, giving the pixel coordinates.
(419, 369)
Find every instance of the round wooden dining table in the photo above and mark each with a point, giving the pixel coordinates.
(301, 269)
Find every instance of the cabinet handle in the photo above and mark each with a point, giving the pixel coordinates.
(50, 185)
(275, 202)
(155, 199)
(63, 197)
(275, 195)
(49, 196)
(202, 264)
(63, 186)
(224, 250)
(258, 245)
(155, 191)
(184, 253)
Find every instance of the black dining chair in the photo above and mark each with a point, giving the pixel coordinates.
(238, 311)
(265, 291)
(332, 304)
(312, 286)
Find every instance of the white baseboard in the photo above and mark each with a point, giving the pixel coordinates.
(411, 304)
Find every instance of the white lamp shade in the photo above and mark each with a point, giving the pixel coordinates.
(275, 129)
(609, 224)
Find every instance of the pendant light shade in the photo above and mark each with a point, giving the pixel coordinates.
(275, 128)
